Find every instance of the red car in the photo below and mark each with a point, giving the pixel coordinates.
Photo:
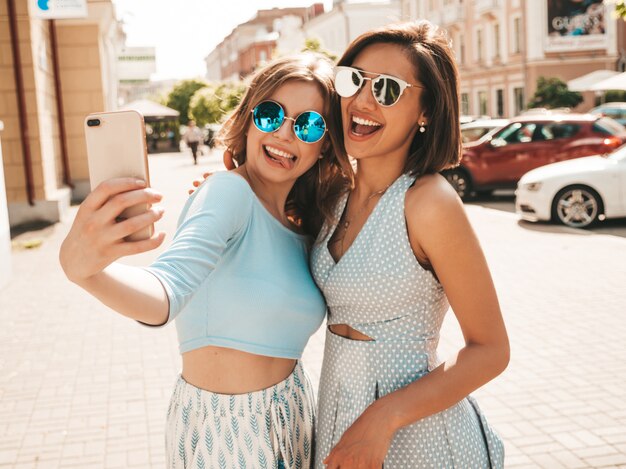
(529, 142)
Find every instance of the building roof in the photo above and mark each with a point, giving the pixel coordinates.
(150, 109)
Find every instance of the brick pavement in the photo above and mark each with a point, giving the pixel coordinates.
(81, 387)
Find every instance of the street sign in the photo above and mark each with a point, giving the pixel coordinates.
(59, 9)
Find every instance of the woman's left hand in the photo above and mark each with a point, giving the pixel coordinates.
(364, 444)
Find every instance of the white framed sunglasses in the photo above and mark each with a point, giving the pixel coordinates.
(386, 89)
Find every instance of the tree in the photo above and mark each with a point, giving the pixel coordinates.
(314, 45)
(210, 104)
(552, 92)
(620, 9)
(180, 96)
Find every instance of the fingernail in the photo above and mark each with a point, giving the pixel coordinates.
(140, 183)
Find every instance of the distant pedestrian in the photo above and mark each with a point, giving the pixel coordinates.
(193, 136)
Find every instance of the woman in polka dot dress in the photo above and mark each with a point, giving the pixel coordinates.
(400, 252)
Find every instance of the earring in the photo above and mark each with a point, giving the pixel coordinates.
(422, 128)
(320, 157)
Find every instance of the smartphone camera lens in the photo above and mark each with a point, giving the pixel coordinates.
(93, 122)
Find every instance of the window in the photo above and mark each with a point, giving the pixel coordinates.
(471, 135)
(479, 45)
(519, 133)
(496, 40)
(465, 104)
(519, 100)
(607, 127)
(560, 130)
(517, 31)
(500, 103)
(482, 103)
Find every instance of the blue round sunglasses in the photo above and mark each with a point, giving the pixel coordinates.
(308, 126)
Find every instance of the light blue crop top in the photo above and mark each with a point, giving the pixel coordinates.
(236, 277)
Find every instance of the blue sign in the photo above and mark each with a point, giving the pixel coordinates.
(59, 9)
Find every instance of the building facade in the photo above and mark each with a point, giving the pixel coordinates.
(135, 66)
(254, 42)
(5, 233)
(503, 47)
(348, 20)
(52, 74)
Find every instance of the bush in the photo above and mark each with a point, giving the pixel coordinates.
(209, 105)
(180, 96)
(552, 93)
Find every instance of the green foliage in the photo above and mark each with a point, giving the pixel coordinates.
(611, 96)
(180, 96)
(552, 93)
(314, 45)
(620, 9)
(210, 104)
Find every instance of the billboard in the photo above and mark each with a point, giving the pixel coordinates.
(576, 25)
(59, 9)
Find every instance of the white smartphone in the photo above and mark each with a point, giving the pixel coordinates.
(116, 147)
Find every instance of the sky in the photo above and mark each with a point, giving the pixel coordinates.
(184, 32)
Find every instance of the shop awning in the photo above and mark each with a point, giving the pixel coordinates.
(617, 82)
(585, 82)
(152, 111)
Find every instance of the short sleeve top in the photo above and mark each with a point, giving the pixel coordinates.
(236, 277)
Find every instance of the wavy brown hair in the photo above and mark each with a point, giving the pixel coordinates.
(315, 193)
(428, 49)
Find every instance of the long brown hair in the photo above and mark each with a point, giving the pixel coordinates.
(315, 193)
(428, 48)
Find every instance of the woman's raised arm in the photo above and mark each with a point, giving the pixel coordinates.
(96, 241)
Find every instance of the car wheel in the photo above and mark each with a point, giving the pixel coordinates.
(577, 206)
(460, 181)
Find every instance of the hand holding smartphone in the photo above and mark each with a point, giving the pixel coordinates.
(116, 147)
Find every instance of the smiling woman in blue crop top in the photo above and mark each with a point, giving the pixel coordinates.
(235, 279)
(227, 237)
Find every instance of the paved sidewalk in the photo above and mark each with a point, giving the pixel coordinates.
(81, 387)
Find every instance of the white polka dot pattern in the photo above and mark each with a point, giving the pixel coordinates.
(380, 289)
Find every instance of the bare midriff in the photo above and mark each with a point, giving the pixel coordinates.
(348, 332)
(228, 371)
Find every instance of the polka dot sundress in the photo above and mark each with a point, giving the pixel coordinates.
(380, 289)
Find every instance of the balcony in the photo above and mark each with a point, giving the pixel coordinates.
(482, 7)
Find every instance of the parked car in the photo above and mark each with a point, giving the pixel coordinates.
(576, 193)
(466, 118)
(615, 111)
(544, 110)
(473, 131)
(529, 142)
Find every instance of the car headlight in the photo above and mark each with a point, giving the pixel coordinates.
(532, 186)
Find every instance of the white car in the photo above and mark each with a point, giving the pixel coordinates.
(477, 129)
(576, 192)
